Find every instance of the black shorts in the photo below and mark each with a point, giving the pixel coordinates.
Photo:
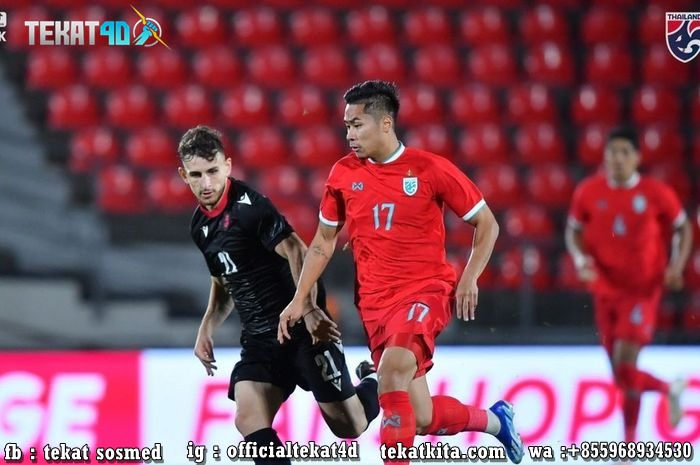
(318, 368)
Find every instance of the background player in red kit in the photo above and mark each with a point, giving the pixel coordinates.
(618, 232)
(392, 199)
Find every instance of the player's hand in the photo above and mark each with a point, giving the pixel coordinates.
(585, 269)
(321, 327)
(289, 317)
(204, 351)
(673, 277)
(467, 295)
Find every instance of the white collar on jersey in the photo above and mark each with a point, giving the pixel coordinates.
(393, 157)
(629, 184)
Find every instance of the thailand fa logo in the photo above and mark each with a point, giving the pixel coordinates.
(683, 35)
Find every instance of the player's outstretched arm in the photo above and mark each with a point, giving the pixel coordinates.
(485, 235)
(585, 268)
(681, 246)
(294, 250)
(218, 309)
(317, 257)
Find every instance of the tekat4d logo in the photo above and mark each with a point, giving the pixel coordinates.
(145, 32)
(683, 35)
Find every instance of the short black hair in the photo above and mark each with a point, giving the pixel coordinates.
(379, 97)
(624, 132)
(201, 141)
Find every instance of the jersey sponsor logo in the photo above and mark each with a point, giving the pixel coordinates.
(227, 221)
(410, 185)
(602, 204)
(683, 35)
(358, 186)
(639, 203)
(636, 315)
(244, 199)
(205, 230)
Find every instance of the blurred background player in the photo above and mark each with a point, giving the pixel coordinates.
(392, 198)
(618, 233)
(255, 258)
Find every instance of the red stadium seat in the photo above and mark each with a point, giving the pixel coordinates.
(531, 103)
(567, 278)
(494, 65)
(283, 181)
(674, 5)
(168, 193)
(500, 185)
(484, 144)
(107, 67)
(675, 176)
(652, 25)
(77, 12)
(437, 65)
(217, 67)
(696, 151)
(263, 147)
(303, 106)
(421, 104)
(245, 106)
(550, 185)
(18, 33)
(550, 63)
(591, 144)
(691, 313)
(609, 65)
(120, 191)
(524, 267)
(692, 271)
(529, 222)
(188, 106)
(370, 26)
(695, 106)
(131, 107)
(539, 143)
(595, 104)
(302, 217)
(162, 68)
(316, 181)
(51, 68)
(507, 4)
(606, 25)
(544, 24)
(93, 148)
(432, 137)
(317, 147)
(659, 67)
(201, 27)
(616, 3)
(653, 105)
(427, 26)
(381, 61)
(272, 66)
(313, 26)
(474, 104)
(485, 25)
(327, 66)
(151, 148)
(72, 108)
(257, 26)
(661, 144)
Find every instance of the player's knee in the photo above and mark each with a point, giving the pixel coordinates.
(247, 422)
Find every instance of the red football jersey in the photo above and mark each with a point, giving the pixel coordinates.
(394, 215)
(626, 229)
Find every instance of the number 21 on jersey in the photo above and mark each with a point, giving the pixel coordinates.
(229, 266)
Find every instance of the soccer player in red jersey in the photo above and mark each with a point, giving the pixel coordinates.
(618, 232)
(392, 198)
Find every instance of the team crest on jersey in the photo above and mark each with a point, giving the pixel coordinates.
(639, 203)
(683, 35)
(410, 185)
(227, 221)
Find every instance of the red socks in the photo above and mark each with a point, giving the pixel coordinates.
(630, 415)
(629, 377)
(398, 421)
(450, 416)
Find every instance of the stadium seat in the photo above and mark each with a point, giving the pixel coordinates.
(107, 67)
(616, 3)
(316, 181)
(494, 65)
(695, 106)
(188, 106)
(531, 103)
(421, 104)
(692, 271)
(544, 23)
(550, 63)
(131, 107)
(168, 193)
(327, 66)
(302, 217)
(161, 68)
(431, 137)
(302, 106)
(427, 26)
(484, 144)
(659, 67)
(675, 176)
(484, 25)
(381, 61)
(566, 277)
(151, 148)
(51, 68)
(674, 5)
(528, 222)
(500, 185)
(272, 66)
(93, 148)
(283, 181)
(474, 104)
(652, 25)
(257, 26)
(86, 12)
(591, 144)
(609, 65)
(437, 65)
(201, 27)
(18, 33)
(507, 4)
(371, 25)
(654, 105)
(72, 107)
(661, 144)
(120, 191)
(607, 25)
(539, 143)
(550, 185)
(593, 104)
(317, 147)
(691, 315)
(217, 67)
(524, 267)
(313, 26)
(245, 106)
(263, 147)
(696, 151)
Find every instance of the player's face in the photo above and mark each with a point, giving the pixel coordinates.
(364, 132)
(621, 159)
(207, 179)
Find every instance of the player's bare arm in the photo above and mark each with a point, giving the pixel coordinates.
(485, 235)
(681, 245)
(219, 308)
(294, 250)
(585, 267)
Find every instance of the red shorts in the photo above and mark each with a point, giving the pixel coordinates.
(413, 324)
(626, 317)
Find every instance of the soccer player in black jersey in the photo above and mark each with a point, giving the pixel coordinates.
(255, 258)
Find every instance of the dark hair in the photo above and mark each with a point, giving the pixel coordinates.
(626, 133)
(201, 141)
(380, 98)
